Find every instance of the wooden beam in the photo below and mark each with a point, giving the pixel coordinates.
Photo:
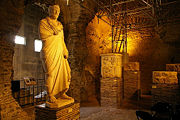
(146, 3)
(128, 11)
(122, 2)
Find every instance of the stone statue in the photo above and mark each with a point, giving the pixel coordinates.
(54, 55)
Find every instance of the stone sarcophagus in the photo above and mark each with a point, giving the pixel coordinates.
(165, 77)
(175, 68)
(111, 65)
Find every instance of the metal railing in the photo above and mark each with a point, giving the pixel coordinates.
(31, 93)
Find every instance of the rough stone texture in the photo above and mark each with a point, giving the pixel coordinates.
(111, 81)
(111, 65)
(106, 113)
(156, 46)
(132, 66)
(174, 67)
(131, 80)
(165, 77)
(9, 108)
(11, 16)
(111, 92)
(70, 112)
(97, 42)
(166, 93)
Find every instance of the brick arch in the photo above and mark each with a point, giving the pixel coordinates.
(11, 15)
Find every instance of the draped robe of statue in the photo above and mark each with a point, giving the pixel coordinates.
(56, 66)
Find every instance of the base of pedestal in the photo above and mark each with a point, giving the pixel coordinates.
(60, 103)
(68, 112)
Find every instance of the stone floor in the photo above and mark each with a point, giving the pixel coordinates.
(126, 112)
(98, 113)
(105, 113)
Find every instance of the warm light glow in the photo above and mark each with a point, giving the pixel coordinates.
(37, 45)
(133, 42)
(19, 40)
(98, 32)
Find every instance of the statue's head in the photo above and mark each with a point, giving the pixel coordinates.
(54, 11)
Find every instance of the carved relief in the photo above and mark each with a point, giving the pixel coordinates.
(165, 77)
(111, 65)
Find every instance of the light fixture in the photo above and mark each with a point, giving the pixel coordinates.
(19, 40)
(37, 45)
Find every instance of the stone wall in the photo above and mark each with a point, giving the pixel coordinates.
(27, 62)
(174, 67)
(131, 81)
(165, 87)
(154, 52)
(11, 19)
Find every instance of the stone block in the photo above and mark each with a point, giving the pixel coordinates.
(174, 67)
(111, 92)
(132, 66)
(169, 93)
(131, 84)
(165, 77)
(111, 65)
(69, 112)
(111, 71)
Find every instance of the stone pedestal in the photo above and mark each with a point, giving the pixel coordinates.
(69, 112)
(111, 92)
(60, 103)
(111, 81)
(131, 80)
(111, 65)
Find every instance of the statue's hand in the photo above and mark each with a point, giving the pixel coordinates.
(55, 33)
(66, 56)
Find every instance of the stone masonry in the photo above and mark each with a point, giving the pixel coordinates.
(169, 93)
(9, 25)
(111, 81)
(165, 87)
(165, 77)
(69, 112)
(174, 67)
(131, 80)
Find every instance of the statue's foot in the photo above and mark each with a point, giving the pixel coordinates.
(64, 96)
(52, 99)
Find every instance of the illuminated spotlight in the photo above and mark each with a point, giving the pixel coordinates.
(19, 40)
(37, 45)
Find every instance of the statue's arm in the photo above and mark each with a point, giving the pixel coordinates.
(44, 30)
(66, 53)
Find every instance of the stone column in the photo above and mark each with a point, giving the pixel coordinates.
(131, 80)
(111, 81)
